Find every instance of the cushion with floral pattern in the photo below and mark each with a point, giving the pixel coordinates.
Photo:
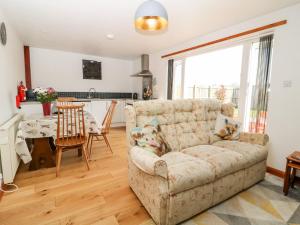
(149, 138)
(227, 128)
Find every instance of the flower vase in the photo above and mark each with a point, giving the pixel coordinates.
(46, 108)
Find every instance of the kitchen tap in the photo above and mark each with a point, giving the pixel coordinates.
(90, 91)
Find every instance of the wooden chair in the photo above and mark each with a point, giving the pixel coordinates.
(65, 100)
(70, 132)
(104, 130)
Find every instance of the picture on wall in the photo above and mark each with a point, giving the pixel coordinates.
(91, 69)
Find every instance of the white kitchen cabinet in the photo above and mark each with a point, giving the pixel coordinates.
(119, 114)
(99, 109)
(87, 106)
(29, 108)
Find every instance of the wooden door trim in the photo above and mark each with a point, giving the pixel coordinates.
(244, 33)
(27, 67)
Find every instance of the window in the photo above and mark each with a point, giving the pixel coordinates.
(178, 79)
(251, 81)
(229, 75)
(258, 85)
(214, 75)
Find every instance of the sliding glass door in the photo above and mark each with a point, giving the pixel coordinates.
(178, 79)
(258, 87)
(228, 74)
(214, 75)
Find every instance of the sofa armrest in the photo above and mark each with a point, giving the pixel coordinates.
(148, 162)
(130, 124)
(253, 138)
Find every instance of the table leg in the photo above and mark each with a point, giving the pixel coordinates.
(79, 152)
(41, 154)
(52, 144)
(286, 179)
(293, 177)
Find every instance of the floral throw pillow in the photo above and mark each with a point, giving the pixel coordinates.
(149, 138)
(227, 128)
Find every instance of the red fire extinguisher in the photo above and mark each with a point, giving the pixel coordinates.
(21, 97)
(22, 92)
(18, 103)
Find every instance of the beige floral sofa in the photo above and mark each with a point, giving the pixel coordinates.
(200, 170)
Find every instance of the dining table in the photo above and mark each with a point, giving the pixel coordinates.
(41, 131)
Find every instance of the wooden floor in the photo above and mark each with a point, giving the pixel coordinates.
(100, 196)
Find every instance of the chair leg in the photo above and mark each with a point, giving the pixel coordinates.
(85, 157)
(88, 144)
(107, 143)
(88, 141)
(293, 177)
(91, 146)
(58, 160)
(287, 180)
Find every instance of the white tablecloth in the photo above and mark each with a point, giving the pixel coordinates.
(39, 126)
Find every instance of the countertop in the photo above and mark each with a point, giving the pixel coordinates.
(88, 100)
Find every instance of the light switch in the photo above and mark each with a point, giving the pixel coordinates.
(287, 83)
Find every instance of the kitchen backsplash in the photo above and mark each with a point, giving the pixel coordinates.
(104, 95)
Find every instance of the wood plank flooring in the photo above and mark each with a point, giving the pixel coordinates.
(100, 196)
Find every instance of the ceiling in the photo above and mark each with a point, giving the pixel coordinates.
(82, 25)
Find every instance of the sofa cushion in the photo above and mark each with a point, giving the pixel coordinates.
(227, 128)
(149, 138)
(252, 153)
(190, 134)
(186, 172)
(224, 161)
(189, 128)
(206, 112)
(183, 123)
(148, 110)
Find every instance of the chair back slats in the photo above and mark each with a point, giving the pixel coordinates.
(67, 122)
(70, 124)
(83, 125)
(79, 119)
(58, 126)
(63, 122)
(70, 132)
(75, 122)
(65, 100)
(108, 117)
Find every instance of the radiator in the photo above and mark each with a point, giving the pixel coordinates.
(9, 158)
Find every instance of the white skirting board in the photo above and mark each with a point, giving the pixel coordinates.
(9, 158)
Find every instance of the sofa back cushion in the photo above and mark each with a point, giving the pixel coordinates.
(183, 123)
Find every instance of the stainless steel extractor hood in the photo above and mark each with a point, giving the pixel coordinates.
(145, 67)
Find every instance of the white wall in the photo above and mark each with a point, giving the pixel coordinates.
(63, 71)
(11, 71)
(284, 105)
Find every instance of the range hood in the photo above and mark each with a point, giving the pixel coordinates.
(145, 67)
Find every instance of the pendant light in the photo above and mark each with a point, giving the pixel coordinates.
(151, 16)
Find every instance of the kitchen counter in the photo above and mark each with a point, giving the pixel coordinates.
(96, 106)
(88, 100)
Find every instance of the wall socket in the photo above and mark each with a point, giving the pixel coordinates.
(287, 83)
